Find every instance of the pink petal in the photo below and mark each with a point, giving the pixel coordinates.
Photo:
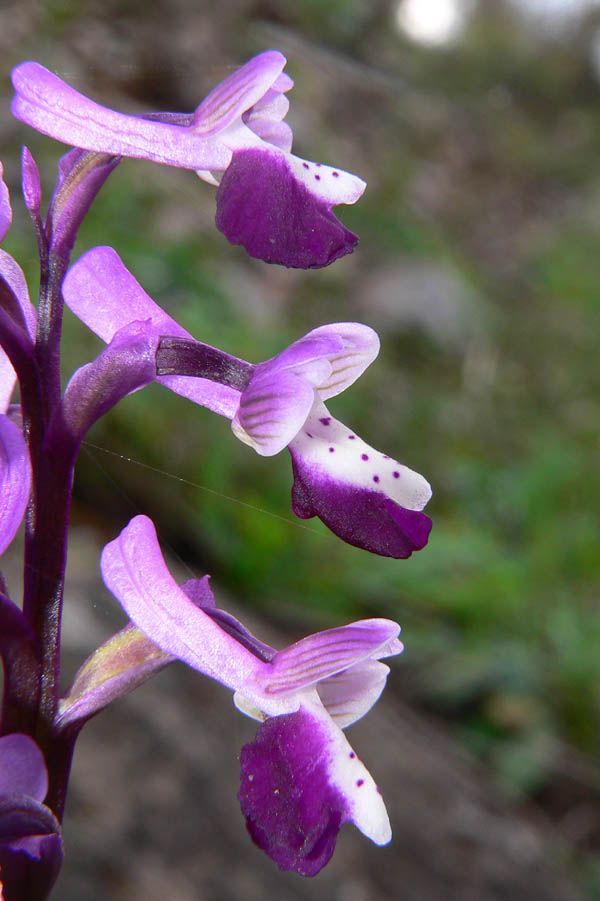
(102, 293)
(134, 570)
(47, 104)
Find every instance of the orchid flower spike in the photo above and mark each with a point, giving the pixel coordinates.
(365, 497)
(30, 842)
(300, 780)
(277, 205)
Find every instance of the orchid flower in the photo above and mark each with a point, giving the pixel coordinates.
(277, 205)
(365, 497)
(30, 843)
(300, 779)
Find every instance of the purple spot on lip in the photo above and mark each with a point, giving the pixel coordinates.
(396, 475)
(325, 420)
(375, 478)
(317, 177)
(336, 174)
(332, 450)
(306, 166)
(385, 457)
(352, 755)
(360, 782)
(364, 456)
(351, 437)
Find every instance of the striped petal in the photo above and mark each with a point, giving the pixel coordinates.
(324, 654)
(237, 93)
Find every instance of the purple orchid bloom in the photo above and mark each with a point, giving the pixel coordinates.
(277, 205)
(30, 842)
(365, 497)
(300, 780)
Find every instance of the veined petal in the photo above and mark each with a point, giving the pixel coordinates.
(365, 497)
(300, 781)
(134, 570)
(5, 207)
(279, 207)
(348, 695)
(237, 93)
(359, 347)
(322, 655)
(15, 480)
(272, 409)
(22, 767)
(100, 290)
(49, 105)
(309, 356)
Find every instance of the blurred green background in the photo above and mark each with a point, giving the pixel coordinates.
(479, 266)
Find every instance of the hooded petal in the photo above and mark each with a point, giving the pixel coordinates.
(279, 397)
(15, 480)
(300, 781)
(22, 767)
(237, 93)
(365, 497)
(47, 104)
(359, 346)
(102, 293)
(271, 411)
(5, 207)
(279, 208)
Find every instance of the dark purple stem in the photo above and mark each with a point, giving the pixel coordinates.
(52, 458)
